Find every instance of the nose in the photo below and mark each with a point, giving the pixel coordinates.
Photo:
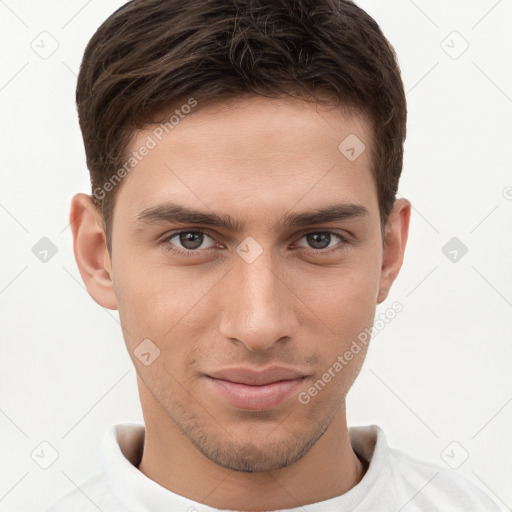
(259, 304)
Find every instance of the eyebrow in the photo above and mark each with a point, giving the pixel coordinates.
(175, 213)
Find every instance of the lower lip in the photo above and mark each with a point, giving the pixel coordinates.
(256, 398)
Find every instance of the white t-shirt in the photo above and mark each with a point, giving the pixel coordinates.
(394, 481)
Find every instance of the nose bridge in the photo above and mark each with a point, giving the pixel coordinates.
(259, 286)
(260, 310)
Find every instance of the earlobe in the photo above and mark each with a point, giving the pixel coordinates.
(89, 245)
(397, 231)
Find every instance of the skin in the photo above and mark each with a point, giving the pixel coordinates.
(255, 159)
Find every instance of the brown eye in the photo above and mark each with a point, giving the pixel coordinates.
(320, 240)
(189, 240)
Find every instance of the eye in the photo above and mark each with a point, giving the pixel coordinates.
(321, 240)
(188, 241)
(195, 242)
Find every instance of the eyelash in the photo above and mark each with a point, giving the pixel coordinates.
(190, 253)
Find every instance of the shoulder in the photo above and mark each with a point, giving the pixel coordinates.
(436, 485)
(93, 495)
(414, 484)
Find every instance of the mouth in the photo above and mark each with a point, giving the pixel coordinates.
(245, 388)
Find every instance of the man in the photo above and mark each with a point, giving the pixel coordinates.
(245, 158)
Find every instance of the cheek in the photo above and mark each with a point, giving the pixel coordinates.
(161, 302)
(345, 297)
(137, 292)
(347, 307)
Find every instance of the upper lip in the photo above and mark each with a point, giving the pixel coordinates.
(254, 377)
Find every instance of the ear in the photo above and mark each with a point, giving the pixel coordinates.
(90, 248)
(397, 230)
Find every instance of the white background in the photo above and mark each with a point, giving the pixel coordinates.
(438, 373)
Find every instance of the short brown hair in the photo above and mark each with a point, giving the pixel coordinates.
(150, 55)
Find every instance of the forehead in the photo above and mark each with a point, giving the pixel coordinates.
(262, 153)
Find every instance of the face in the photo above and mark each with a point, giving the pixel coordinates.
(251, 299)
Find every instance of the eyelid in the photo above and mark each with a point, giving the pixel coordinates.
(333, 231)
